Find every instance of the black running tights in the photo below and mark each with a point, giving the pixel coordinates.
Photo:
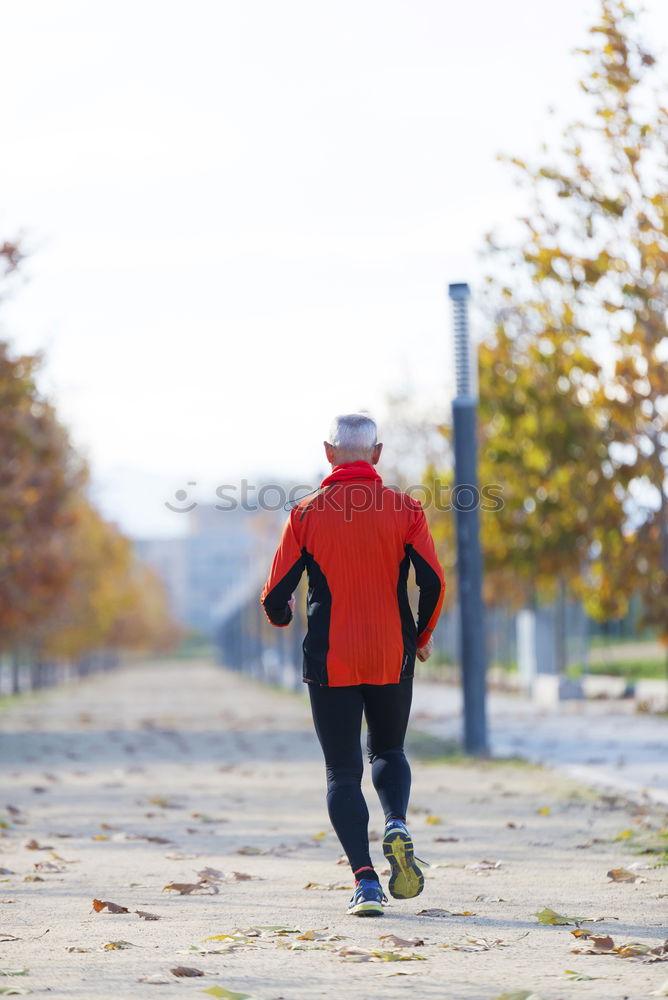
(337, 715)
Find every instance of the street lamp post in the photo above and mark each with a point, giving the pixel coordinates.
(466, 497)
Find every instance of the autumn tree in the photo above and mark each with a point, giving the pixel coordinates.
(69, 580)
(41, 482)
(574, 381)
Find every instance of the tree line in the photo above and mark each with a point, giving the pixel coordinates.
(70, 583)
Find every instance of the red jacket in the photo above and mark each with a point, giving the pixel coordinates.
(356, 539)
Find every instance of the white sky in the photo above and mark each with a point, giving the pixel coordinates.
(245, 213)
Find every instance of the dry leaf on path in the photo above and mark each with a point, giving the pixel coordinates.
(436, 911)
(548, 916)
(518, 995)
(329, 887)
(164, 802)
(398, 942)
(118, 945)
(481, 944)
(187, 888)
(623, 875)
(101, 904)
(220, 991)
(145, 915)
(605, 945)
(33, 845)
(186, 970)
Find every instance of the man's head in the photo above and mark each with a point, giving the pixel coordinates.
(352, 438)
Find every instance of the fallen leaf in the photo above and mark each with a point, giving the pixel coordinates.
(580, 977)
(100, 836)
(318, 935)
(475, 944)
(186, 970)
(249, 850)
(118, 945)
(623, 875)
(548, 916)
(518, 995)
(14, 991)
(210, 875)
(146, 916)
(329, 887)
(14, 972)
(398, 942)
(187, 888)
(631, 949)
(433, 820)
(33, 845)
(163, 802)
(220, 991)
(545, 811)
(437, 840)
(100, 904)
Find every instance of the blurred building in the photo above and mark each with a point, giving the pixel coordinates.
(225, 551)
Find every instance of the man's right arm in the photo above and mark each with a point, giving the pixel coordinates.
(285, 574)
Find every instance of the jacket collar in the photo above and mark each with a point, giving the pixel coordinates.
(349, 471)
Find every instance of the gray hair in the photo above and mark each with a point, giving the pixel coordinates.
(353, 432)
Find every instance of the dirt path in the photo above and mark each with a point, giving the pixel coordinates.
(142, 778)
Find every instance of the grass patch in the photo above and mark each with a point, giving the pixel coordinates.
(629, 669)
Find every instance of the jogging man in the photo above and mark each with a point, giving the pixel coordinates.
(356, 539)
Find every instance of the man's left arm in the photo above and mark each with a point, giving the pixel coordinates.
(428, 576)
(285, 574)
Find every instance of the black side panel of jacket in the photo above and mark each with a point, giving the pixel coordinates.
(408, 627)
(276, 601)
(427, 580)
(318, 614)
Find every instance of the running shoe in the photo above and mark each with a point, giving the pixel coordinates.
(367, 899)
(406, 879)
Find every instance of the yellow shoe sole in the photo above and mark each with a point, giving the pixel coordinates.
(406, 880)
(366, 910)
